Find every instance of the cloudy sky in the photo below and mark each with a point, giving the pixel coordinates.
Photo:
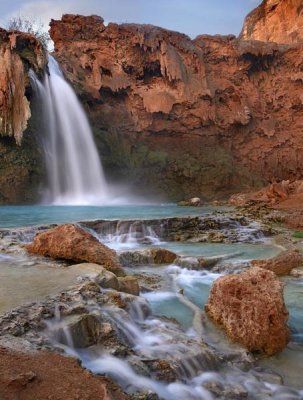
(192, 17)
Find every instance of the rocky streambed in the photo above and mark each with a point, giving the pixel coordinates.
(134, 311)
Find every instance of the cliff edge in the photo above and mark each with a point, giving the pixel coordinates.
(279, 21)
(208, 117)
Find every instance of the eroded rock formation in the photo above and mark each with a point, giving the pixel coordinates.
(279, 21)
(20, 166)
(18, 53)
(282, 195)
(186, 117)
(282, 264)
(250, 308)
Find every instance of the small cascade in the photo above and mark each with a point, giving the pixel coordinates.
(74, 171)
(128, 235)
(151, 340)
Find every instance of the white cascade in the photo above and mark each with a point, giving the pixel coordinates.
(74, 170)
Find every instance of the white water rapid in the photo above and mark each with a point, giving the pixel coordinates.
(74, 170)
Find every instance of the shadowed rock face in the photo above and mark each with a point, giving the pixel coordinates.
(20, 166)
(250, 308)
(279, 21)
(18, 53)
(204, 117)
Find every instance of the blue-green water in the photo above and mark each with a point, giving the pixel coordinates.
(235, 251)
(17, 216)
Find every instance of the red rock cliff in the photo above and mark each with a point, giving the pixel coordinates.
(18, 52)
(279, 21)
(20, 166)
(204, 117)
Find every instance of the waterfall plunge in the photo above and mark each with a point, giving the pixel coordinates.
(74, 170)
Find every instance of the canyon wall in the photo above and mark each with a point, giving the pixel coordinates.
(279, 21)
(20, 163)
(182, 117)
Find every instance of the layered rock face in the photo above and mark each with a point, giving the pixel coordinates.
(251, 309)
(184, 117)
(279, 21)
(20, 166)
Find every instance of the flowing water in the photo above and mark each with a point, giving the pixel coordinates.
(74, 170)
(165, 324)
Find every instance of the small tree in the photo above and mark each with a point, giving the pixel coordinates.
(32, 26)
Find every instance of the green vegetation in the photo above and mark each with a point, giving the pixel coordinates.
(298, 234)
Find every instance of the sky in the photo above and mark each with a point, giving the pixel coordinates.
(192, 17)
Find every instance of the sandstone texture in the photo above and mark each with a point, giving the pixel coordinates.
(20, 166)
(18, 53)
(279, 21)
(250, 308)
(281, 264)
(281, 195)
(129, 284)
(70, 242)
(46, 375)
(187, 118)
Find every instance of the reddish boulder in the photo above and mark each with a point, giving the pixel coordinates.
(250, 308)
(162, 256)
(282, 195)
(282, 264)
(70, 242)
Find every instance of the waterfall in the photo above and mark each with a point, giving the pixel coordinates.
(74, 170)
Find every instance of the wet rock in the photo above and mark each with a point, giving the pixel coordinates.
(150, 256)
(250, 308)
(162, 256)
(197, 262)
(282, 264)
(217, 228)
(193, 202)
(70, 242)
(78, 331)
(132, 258)
(107, 280)
(129, 284)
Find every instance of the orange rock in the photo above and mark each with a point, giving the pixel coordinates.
(70, 242)
(280, 195)
(282, 264)
(162, 256)
(47, 375)
(250, 308)
(278, 21)
(214, 116)
(14, 65)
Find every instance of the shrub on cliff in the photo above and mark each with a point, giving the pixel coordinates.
(32, 26)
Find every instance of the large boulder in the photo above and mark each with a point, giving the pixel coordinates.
(70, 242)
(250, 308)
(282, 264)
